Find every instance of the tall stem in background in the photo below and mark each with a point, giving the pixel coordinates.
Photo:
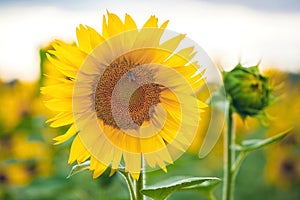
(229, 157)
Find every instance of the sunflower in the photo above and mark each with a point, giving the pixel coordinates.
(15, 98)
(128, 95)
(282, 161)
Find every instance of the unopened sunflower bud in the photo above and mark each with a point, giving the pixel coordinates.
(248, 90)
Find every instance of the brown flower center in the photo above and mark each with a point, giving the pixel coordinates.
(121, 86)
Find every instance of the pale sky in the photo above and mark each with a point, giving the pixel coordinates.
(250, 30)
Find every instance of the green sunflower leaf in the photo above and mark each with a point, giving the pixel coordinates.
(254, 144)
(79, 168)
(161, 192)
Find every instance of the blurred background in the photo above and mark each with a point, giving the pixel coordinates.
(31, 167)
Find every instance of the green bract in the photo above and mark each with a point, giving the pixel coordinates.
(247, 89)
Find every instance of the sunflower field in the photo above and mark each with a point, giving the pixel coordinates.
(67, 135)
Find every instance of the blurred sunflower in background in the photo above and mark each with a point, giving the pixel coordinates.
(27, 160)
(283, 166)
(16, 98)
(25, 155)
(126, 94)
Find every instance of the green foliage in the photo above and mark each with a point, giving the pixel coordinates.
(79, 168)
(174, 184)
(254, 144)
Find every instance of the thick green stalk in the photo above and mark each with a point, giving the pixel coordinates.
(141, 182)
(229, 157)
(129, 185)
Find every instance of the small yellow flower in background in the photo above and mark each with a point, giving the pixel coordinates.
(283, 159)
(15, 100)
(14, 174)
(126, 94)
(32, 159)
(21, 159)
(283, 162)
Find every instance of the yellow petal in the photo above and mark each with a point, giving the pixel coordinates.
(151, 22)
(59, 104)
(164, 25)
(133, 164)
(61, 119)
(69, 54)
(159, 158)
(181, 58)
(104, 28)
(135, 176)
(59, 116)
(129, 23)
(78, 151)
(112, 172)
(97, 166)
(152, 144)
(122, 140)
(58, 90)
(150, 30)
(95, 37)
(132, 31)
(115, 25)
(116, 158)
(62, 138)
(172, 43)
(83, 38)
(64, 68)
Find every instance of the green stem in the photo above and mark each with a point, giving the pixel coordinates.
(129, 185)
(211, 196)
(229, 157)
(235, 168)
(141, 182)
